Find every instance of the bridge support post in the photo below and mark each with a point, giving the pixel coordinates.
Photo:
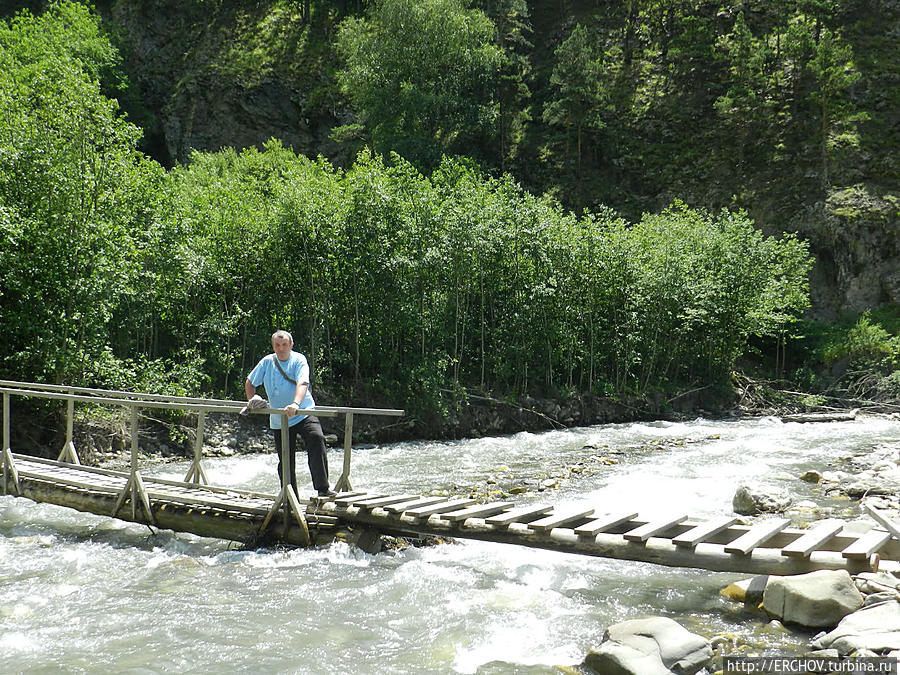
(9, 466)
(196, 474)
(343, 483)
(286, 497)
(134, 488)
(68, 453)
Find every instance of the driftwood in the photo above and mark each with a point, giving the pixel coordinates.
(822, 417)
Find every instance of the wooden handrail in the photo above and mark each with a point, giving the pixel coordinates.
(221, 405)
(134, 400)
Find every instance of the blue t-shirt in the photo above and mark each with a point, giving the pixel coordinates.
(279, 391)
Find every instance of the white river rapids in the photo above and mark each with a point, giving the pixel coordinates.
(82, 593)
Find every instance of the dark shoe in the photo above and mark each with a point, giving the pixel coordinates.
(327, 493)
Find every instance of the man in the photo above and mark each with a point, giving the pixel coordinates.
(285, 375)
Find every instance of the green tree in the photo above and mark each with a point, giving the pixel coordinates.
(420, 77)
(577, 80)
(834, 73)
(513, 93)
(72, 192)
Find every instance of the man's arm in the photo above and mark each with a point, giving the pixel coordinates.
(249, 389)
(299, 395)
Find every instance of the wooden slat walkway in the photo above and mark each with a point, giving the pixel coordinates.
(769, 546)
(205, 510)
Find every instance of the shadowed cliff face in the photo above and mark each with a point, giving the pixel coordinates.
(854, 236)
(236, 74)
(861, 231)
(209, 114)
(209, 85)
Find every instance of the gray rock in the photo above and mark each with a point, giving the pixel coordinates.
(865, 486)
(876, 582)
(818, 599)
(652, 646)
(811, 476)
(884, 596)
(753, 499)
(876, 628)
(823, 654)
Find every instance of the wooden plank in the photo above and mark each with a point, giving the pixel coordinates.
(374, 502)
(814, 538)
(477, 511)
(891, 526)
(59, 480)
(559, 518)
(51, 466)
(756, 535)
(450, 505)
(697, 534)
(419, 502)
(347, 498)
(609, 521)
(867, 544)
(653, 528)
(186, 494)
(520, 514)
(209, 502)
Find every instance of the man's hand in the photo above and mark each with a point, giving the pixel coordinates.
(291, 409)
(256, 401)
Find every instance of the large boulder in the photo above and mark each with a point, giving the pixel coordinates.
(818, 599)
(875, 628)
(750, 500)
(652, 646)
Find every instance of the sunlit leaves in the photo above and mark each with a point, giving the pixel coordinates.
(420, 75)
(71, 188)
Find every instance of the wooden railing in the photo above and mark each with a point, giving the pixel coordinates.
(286, 500)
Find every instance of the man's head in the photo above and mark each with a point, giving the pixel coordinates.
(282, 342)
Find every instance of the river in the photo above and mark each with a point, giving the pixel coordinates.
(82, 593)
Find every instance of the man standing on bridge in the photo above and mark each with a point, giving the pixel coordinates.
(285, 375)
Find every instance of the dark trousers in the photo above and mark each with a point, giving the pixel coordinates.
(316, 453)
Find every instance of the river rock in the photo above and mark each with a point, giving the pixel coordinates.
(884, 596)
(875, 627)
(652, 646)
(876, 582)
(749, 591)
(753, 499)
(818, 599)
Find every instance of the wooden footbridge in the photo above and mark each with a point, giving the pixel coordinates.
(769, 546)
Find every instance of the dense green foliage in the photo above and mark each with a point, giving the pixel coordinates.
(401, 281)
(618, 102)
(398, 282)
(74, 192)
(421, 75)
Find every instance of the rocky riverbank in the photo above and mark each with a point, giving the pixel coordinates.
(856, 617)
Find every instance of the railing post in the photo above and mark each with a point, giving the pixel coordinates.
(68, 453)
(286, 498)
(285, 468)
(343, 484)
(6, 444)
(134, 457)
(135, 485)
(196, 474)
(9, 468)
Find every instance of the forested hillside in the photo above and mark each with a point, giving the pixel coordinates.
(788, 109)
(503, 197)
